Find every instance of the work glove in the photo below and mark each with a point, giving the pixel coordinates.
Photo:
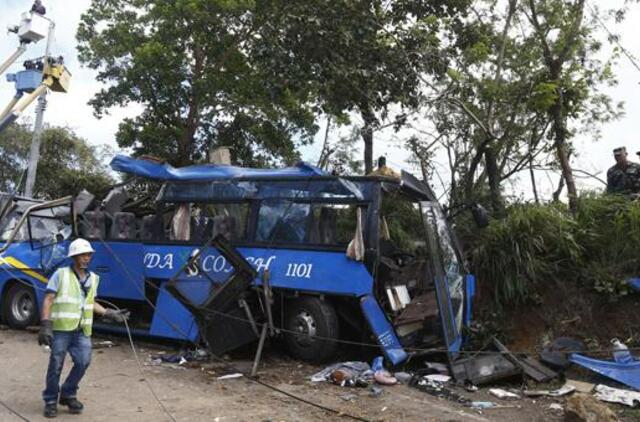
(45, 336)
(120, 315)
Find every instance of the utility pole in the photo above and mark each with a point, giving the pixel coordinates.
(34, 152)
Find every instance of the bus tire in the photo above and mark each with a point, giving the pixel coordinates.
(20, 307)
(310, 324)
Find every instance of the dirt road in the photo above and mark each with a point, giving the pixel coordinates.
(114, 389)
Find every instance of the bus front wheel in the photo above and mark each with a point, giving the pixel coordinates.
(311, 329)
(20, 308)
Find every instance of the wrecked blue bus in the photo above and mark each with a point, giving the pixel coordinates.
(371, 259)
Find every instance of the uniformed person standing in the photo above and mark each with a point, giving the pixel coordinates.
(624, 177)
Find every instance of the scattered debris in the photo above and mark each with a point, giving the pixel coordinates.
(104, 344)
(437, 389)
(503, 394)
(617, 395)
(483, 369)
(556, 353)
(438, 378)
(347, 377)
(403, 377)
(438, 367)
(528, 365)
(585, 408)
(198, 355)
(556, 407)
(581, 386)
(471, 388)
(562, 391)
(230, 376)
(358, 369)
(483, 405)
(349, 397)
(375, 391)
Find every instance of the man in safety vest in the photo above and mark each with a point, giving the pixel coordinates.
(67, 317)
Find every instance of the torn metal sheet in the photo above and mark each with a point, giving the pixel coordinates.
(562, 391)
(625, 373)
(531, 367)
(503, 394)
(221, 319)
(484, 369)
(617, 395)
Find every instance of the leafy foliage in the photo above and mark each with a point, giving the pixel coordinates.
(67, 163)
(192, 66)
(536, 246)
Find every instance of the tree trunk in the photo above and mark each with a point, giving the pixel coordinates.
(192, 121)
(494, 182)
(558, 191)
(532, 174)
(367, 136)
(560, 133)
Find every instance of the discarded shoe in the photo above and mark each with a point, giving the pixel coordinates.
(73, 404)
(50, 410)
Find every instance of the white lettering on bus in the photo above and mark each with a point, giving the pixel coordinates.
(299, 270)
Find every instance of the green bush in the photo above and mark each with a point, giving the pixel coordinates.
(538, 245)
(534, 243)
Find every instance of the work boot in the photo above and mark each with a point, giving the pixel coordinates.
(73, 404)
(50, 410)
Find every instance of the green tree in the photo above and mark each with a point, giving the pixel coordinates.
(190, 65)
(67, 163)
(503, 111)
(363, 59)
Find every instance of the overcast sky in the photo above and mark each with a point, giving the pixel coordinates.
(71, 109)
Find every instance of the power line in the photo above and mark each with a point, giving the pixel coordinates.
(613, 37)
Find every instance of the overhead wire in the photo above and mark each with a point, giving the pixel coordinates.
(613, 37)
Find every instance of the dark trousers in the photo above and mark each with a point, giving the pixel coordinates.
(79, 347)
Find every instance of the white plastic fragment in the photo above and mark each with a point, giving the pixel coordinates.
(503, 394)
(562, 391)
(230, 376)
(483, 404)
(438, 378)
(617, 395)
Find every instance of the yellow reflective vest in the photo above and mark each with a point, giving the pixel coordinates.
(67, 311)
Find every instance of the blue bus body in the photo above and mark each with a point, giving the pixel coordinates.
(134, 271)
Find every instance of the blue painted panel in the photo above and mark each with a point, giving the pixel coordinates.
(172, 319)
(314, 271)
(470, 287)
(634, 283)
(121, 276)
(383, 330)
(626, 373)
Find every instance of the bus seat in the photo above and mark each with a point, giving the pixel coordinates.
(148, 228)
(226, 226)
(123, 226)
(93, 226)
(328, 226)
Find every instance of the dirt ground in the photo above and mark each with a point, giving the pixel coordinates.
(114, 389)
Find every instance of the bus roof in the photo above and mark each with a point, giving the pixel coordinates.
(208, 172)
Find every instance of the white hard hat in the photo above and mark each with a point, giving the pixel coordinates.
(78, 247)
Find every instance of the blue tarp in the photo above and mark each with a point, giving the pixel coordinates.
(207, 172)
